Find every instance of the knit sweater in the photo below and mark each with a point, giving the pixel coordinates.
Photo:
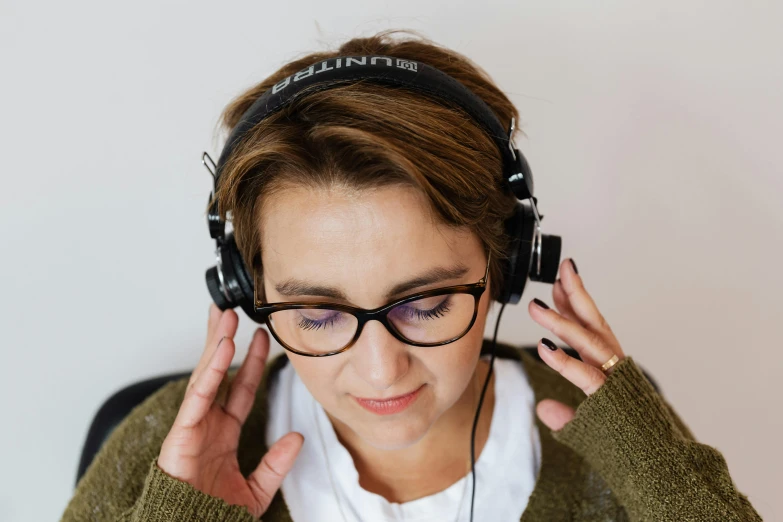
(625, 456)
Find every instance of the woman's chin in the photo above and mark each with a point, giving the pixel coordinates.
(393, 434)
(391, 441)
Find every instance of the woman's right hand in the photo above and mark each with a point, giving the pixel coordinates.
(201, 447)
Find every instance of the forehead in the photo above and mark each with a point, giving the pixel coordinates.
(381, 228)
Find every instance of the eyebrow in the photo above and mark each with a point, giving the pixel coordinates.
(298, 287)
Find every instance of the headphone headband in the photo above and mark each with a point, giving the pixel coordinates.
(387, 70)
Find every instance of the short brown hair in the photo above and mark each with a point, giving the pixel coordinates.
(365, 135)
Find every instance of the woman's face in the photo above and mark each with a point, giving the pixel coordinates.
(362, 244)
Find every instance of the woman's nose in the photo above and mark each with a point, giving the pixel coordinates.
(378, 358)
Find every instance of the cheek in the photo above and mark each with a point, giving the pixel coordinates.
(451, 367)
(319, 375)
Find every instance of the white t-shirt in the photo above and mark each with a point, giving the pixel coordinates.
(506, 469)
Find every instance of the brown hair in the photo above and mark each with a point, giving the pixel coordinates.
(364, 135)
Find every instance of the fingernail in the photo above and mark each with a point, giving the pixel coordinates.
(573, 265)
(540, 303)
(549, 344)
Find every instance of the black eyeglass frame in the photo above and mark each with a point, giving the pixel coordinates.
(363, 316)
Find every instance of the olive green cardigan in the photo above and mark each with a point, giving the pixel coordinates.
(625, 456)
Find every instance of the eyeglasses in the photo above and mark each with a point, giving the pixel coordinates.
(432, 318)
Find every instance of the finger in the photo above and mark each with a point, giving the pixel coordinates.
(592, 348)
(215, 314)
(583, 305)
(200, 397)
(584, 376)
(274, 466)
(554, 414)
(226, 327)
(213, 321)
(214, 317)
(246, 381)
(561, 302)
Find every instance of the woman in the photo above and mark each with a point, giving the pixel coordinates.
(369, 195)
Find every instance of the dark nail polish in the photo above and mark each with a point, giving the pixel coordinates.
(549, 344)
(540, 303)
(573, 265)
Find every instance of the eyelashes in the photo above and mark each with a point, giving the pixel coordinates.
(407, 312)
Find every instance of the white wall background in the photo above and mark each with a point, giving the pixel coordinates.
(654, 132)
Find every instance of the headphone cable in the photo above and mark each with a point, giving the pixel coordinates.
(478, 411)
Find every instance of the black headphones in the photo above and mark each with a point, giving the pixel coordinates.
(531, 253)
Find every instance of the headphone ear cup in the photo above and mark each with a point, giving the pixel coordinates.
(520, 229)
(244, 281)
(234, 259)
(236, 281)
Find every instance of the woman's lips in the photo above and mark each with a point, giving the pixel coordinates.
(389, 406)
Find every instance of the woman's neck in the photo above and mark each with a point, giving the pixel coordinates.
(435, 462)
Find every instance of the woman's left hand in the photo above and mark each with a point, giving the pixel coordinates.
(581, 326)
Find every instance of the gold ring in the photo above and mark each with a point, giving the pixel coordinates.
(611, 362)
